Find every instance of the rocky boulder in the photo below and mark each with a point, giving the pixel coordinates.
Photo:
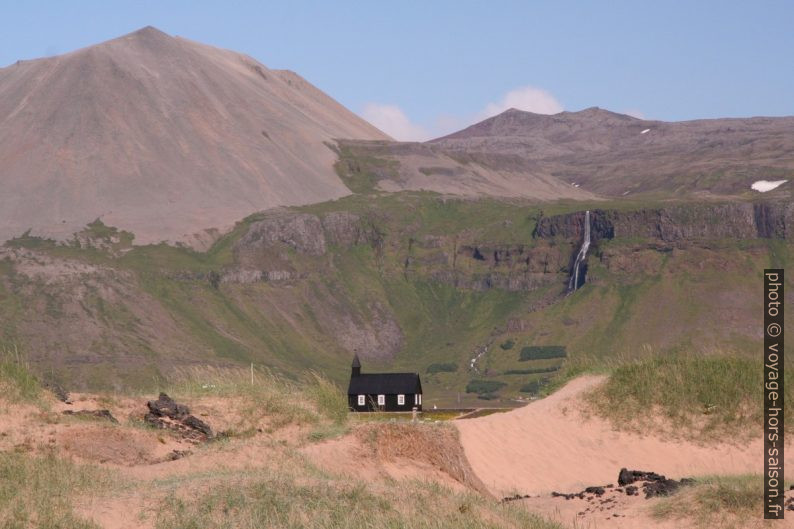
(302, 232)
(165, 413)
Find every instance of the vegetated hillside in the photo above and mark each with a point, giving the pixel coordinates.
(409, 281)
(594, 151)
(167, 138)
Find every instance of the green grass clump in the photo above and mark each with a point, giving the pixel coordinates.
(533, 388)
(329, 399)
(448, 367)
(287, 498)
(483, 387)
(532, 371)
(716, 501)
(17, 383)
(361, 172)
(326, 432)
(703, 395)
(32, 242)
(507, 345)
(38, 491)
(541, 352)
(264, 395)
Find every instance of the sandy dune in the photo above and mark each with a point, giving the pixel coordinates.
(549, 445)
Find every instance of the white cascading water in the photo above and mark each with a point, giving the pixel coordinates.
(573, 283)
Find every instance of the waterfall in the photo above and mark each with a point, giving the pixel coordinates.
(573, 283)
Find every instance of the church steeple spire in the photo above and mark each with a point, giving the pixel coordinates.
(356, 366)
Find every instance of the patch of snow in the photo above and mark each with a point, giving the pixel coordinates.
(625, 193)
(762, 186)
(645, 131)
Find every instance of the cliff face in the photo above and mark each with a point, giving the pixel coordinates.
(404, 281)
(691, 222)
(287, 245)
(304, 233)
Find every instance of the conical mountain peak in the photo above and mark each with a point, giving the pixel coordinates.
(163, 137)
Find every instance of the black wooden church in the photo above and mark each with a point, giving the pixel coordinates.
(383, 391)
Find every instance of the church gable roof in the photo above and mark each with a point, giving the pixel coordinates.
(384, 384)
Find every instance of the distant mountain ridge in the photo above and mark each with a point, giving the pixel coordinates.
(176, 141)
(592, 153)
(163, 137)
(615, 154)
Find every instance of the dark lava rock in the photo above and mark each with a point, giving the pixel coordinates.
(595, 491)
(198, 425)
(165, 406)
(556, 494)
(627, 477)
(166, 414)
(660, 488)
(59, 391)
(653, 484)
(103, 415)
(514, 498)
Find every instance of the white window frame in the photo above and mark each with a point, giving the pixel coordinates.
(416, 399)
(381, 400)
(420, 399)
(362, 400)
(401, 400)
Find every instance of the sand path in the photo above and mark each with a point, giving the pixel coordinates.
(549, 445)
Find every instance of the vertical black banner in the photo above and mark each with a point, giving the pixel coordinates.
(773, 395)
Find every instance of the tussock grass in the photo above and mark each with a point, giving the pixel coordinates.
(264, 394)
(329, 400)
(294, 497)
(17, 383)
(704, 395)
(717, 501)
(38, 491)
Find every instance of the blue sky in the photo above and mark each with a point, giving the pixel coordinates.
(420, 69)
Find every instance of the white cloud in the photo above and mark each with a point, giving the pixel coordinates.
(393, 121)
(528, 98)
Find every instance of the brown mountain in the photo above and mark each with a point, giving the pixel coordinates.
(163, 137)
(613, 154)
(593, 152)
